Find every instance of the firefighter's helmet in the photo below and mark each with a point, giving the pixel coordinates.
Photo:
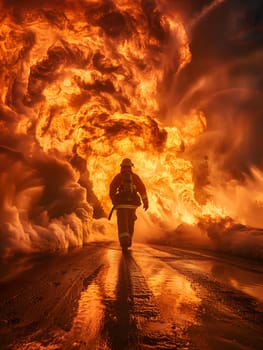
(126, 162)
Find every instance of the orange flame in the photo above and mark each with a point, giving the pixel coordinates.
(87, 77)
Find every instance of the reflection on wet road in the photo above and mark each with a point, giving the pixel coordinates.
(86, 326)
(174, 295)
(149, 298)
(242, 275)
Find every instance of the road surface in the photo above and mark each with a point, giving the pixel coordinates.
(153, 297)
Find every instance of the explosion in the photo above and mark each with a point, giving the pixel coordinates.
(85, 84)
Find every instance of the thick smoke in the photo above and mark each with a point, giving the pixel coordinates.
(223, 80)
(81, 80)
(42, 205)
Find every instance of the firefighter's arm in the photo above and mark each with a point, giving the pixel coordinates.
(142, 190)
(113, 188)
(145, 201)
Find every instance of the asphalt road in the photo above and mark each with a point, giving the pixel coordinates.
(153, 297)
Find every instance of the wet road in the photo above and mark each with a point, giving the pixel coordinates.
(153, 297)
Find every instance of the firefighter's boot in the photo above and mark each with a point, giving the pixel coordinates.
(125, 240)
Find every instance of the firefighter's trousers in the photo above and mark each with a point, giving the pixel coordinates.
(125, 219)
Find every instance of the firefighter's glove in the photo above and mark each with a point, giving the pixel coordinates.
(145, 205)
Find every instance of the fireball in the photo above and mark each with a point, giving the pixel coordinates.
(83, 86)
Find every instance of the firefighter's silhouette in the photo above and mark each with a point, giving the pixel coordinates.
(127, 191)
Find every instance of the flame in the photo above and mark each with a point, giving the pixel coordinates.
(85, 79)
(82, 82)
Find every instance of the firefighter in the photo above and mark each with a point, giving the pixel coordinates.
(126, 192)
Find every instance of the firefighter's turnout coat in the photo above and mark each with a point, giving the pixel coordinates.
(139, 188)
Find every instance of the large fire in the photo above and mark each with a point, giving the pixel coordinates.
(82, 86)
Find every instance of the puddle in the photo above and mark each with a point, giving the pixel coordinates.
(245, 280)
(176, 298)
(241, 278)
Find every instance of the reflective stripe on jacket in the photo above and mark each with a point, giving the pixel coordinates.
(125, 206)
